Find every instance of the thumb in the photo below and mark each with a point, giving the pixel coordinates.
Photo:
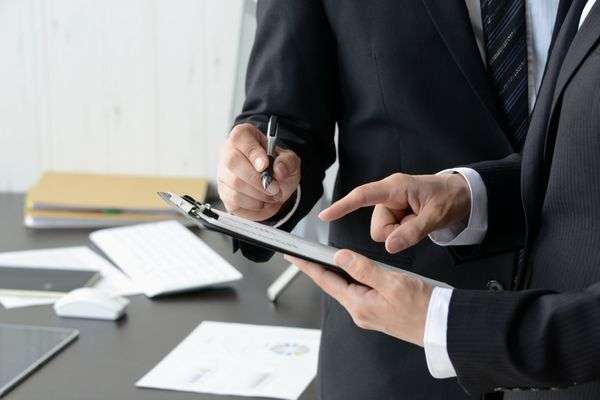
(249, 142)
(361, 268)
(287, 164)
(412, 230)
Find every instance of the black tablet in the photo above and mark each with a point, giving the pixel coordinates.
(44, 281)
(25, 348)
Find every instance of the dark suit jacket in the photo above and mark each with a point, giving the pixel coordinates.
(405, 83)
(549, 335)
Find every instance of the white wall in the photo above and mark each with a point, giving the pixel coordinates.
(132, 86)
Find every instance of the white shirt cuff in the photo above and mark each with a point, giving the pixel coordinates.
(291, 212)
(476, 228)
(435, 339)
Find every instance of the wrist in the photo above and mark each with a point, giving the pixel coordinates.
(427, 290)
(460, 197)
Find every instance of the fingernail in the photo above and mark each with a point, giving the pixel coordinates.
(273, 188)
(259, 164)
(344, 258)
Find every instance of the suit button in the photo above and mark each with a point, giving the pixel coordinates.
(494, 286)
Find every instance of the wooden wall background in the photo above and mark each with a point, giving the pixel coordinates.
(131, 86)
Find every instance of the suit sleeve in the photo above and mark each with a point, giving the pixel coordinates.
(291, 73)
(529, 339)
(505, 216)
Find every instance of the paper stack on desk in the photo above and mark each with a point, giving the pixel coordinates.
(66, 200)
(240, 360)
(113, 281)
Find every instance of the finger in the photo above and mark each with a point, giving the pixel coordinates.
(412, 230)
(361, 268)
(235, 200)
(383, 223)
(239, 166)
(330, 282)
(287, 164)
(226, 177)
(249, 141)
(362, 196)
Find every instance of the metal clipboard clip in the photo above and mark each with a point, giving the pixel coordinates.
(189, 205)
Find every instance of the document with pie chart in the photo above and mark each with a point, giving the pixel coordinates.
(241, 360)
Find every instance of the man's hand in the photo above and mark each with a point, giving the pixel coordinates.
(407, 207)
(390, 302)
(243, 158)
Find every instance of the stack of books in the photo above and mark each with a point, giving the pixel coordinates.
(77, 200)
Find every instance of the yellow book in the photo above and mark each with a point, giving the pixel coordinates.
(90, 219)
(108, 193)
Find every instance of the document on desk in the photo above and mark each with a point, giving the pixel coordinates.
(81, 257)
(241, 360)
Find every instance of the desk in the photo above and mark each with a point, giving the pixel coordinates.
(108, 358)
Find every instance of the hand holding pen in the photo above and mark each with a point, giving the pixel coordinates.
(244, 166)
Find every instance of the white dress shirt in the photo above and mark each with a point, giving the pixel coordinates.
(435, 338)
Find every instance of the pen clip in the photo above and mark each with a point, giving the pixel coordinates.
(272, 133)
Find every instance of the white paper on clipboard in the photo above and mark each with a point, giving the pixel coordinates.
(261, 233)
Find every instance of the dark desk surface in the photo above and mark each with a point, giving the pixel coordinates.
(108, 358)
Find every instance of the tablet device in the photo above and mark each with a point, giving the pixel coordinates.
(25, 348)
(266, 236)
(33, 281)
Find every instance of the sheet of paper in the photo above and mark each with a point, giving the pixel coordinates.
(113, 280)
(240, 360)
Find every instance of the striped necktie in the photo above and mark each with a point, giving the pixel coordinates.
(505, 36)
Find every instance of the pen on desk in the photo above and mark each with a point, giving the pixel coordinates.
(266, 177)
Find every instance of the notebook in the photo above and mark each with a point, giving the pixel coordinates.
(164, 258)
(83, 200)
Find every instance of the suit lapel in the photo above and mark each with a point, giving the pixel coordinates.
(533, 171)
(451, 19)
(584, 41)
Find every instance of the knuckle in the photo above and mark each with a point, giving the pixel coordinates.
(230, 160)
(254, 152)
(360, 323)
(358, 313)
(359, 272)
(360, 194)
(236, 133)
(397, 178)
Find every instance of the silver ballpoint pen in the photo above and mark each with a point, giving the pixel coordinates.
(266, 177)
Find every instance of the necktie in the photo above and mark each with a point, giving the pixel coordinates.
(505, 37)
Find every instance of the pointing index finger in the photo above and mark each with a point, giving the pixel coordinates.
(366, 195)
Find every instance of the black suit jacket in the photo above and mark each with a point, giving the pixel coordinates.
(549, 335)
(405, 83)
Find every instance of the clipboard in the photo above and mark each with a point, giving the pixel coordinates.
(257, 234)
